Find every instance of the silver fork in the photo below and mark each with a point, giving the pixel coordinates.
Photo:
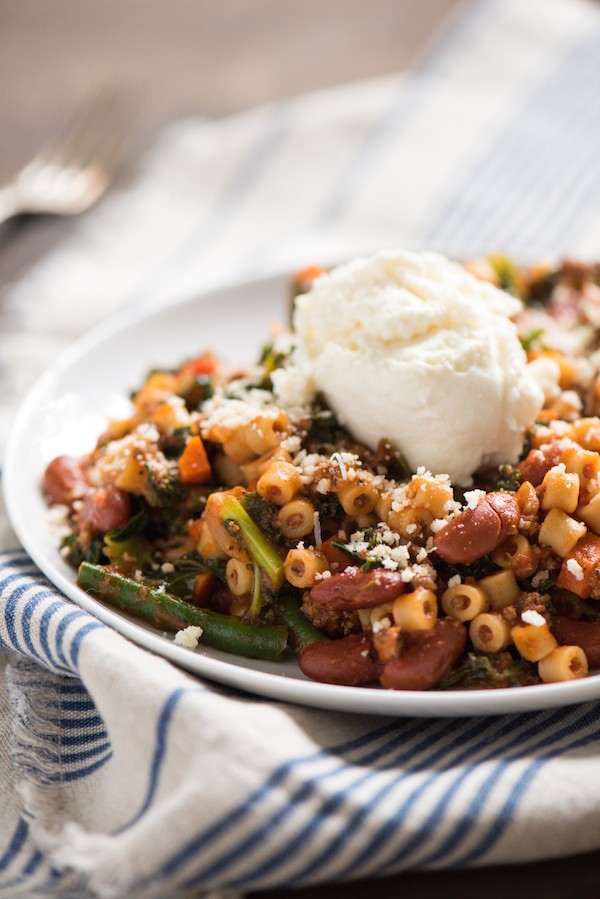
(69, 174)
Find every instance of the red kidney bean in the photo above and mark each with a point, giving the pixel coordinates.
(470, 535)
(355, 589)
(538, 462)
(349, 660)
(64, 480)
(586, 634)
(105, 509)
(425, 657)
(506, 506)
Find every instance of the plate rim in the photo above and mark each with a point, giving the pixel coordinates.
(277, 686)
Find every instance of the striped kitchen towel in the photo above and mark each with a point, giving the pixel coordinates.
(120, 774)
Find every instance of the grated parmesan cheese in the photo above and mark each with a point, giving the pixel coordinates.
(530, 616)
(232, 412)
(292, 444)
(322, 575)
(346, 462)
(317, 529)
(472, 497)
(575, 568)
(188, 637)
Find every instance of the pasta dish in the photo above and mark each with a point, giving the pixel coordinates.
(277, 508)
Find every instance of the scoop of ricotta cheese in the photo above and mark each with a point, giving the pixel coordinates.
(410, 347)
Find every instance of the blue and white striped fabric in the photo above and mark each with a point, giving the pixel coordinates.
(122, 775)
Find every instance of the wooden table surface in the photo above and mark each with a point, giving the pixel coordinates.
(190, 57)
(181, 57)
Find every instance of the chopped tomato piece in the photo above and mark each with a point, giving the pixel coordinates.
(206, 364)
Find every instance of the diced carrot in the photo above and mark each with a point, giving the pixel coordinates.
(194, 528)
(547, 415)
(310, 273)
(587, 556)
(335, 557)
(194, 467)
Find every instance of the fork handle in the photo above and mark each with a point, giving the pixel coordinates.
(9, 202)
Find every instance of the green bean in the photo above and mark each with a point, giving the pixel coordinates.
(302, 632)
(169, 613)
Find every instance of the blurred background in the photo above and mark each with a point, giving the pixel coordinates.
(181, 58)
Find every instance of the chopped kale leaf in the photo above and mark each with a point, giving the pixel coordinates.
(390, 456)
(490, 671)
(187, 567)
(328, 507)
(263, 513)
(76, 554)
(174, 444)
(365, 563)
(325, 429)
(136, 523)
(200, 390)
(478, 569)
(509, 478)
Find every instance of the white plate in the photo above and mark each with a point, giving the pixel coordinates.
(67, 409)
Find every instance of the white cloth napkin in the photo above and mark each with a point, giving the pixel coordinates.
(121, 775)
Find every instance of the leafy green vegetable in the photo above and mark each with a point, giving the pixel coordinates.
(181, 581)
(137, 522)
(78, 554)
(171, 520)
(509, 478)
(271, 359)
(328, 507)
(397, 466)
(135, 550)
(165, 491)
(366, 563)
(325, 429)
(263, 513)
(129, 545)
(527, 443)
(200, 390)
(479, 569)
(174, 443)
(490, 671)
(540, 290)
(507, 272)
(545, 586)
(529, 340)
